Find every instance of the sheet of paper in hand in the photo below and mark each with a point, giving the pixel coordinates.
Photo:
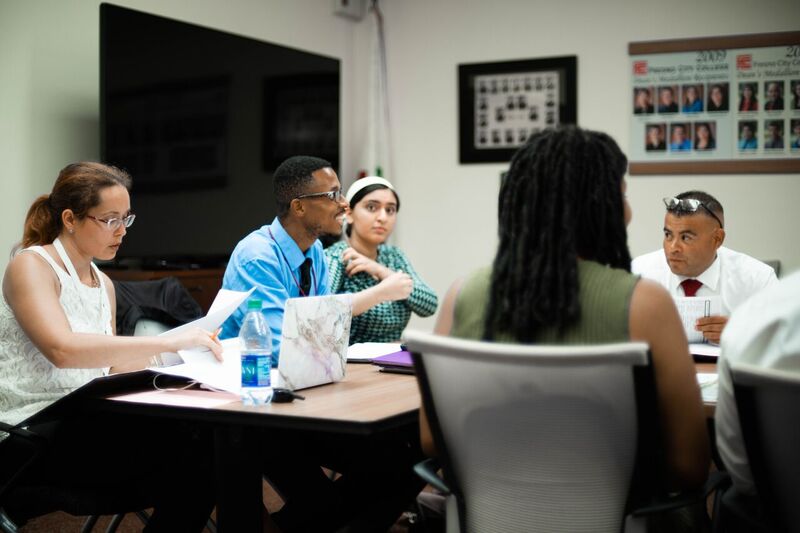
(694, 307)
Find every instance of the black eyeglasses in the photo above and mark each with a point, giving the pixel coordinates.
(113, 224)
(333, 196)
(688, 205)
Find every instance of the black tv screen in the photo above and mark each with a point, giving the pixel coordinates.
(200, 118)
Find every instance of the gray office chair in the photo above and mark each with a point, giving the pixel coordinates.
(775, 264)
(768, 402)
(20, 501)
(534, 438)
(541, 438)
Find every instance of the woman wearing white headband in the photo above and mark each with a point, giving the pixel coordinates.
(365, 260)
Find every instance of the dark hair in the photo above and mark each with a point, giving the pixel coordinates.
(77, 188)
(711, 140)
(357, 197)
(753, 88)
(291, 179)
(749, 123)
(709, 201)
(560, 200)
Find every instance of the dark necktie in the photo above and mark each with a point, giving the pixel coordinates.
(305, 277)
(690, 286)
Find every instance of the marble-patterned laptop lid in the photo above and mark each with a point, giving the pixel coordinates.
(315, 336)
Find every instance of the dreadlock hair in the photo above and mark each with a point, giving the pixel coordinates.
(291, 179)
(78, 188)
(560, 200)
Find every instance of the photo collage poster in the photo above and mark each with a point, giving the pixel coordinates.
(511, 107)
(716, 105)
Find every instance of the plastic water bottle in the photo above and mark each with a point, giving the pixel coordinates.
(255, 343)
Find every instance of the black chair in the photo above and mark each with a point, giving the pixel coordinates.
(21, 501)
(768, 402)
(164, 300)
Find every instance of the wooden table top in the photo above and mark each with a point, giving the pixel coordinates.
(365, 395)
(365, 402)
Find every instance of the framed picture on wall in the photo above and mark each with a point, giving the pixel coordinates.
(501, 104)
(715, 105)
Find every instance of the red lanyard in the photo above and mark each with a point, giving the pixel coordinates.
(313, 274)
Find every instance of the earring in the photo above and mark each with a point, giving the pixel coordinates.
(71, 231)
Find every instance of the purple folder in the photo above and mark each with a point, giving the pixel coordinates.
(401, 359)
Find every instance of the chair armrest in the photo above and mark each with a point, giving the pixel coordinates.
(32, 445)
(23, 433)
(427, 471)
(716, 481)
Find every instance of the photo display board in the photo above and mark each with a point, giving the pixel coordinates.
(715, 105)
(501, 104)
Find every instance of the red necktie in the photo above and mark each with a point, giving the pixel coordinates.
(690, 286)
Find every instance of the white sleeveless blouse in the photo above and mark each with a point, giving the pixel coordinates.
(29, 382)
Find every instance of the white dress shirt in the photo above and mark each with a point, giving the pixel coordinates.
(764, 332)
(733, 276)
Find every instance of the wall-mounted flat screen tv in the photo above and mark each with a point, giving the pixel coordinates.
(201, 118)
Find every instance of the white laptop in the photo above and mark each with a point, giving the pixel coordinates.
(315, 336)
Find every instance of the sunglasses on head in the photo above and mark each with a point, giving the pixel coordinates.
(688, 205)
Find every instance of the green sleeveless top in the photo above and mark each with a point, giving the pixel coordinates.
(604, 294)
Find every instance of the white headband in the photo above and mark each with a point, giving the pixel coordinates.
(366, 182)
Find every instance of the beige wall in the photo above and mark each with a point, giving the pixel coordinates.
(448, 222)
(49, 80)
(49, 103)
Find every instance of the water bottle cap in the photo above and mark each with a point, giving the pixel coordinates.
(254, 303)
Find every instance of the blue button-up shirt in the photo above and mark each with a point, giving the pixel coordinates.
(271, 264)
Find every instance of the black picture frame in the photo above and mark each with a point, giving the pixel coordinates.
(475, 79)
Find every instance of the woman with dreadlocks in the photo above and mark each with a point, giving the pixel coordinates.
(562, 276)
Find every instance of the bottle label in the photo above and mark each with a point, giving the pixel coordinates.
(255, 370)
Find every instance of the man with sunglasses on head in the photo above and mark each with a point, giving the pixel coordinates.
(693, 261)
(285, 260)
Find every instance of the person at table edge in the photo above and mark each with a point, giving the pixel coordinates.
(694, 231)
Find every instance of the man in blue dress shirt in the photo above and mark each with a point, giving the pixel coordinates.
(310, 204)
(284, 260)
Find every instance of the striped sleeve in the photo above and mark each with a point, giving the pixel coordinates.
(333, 258)
(422, 301)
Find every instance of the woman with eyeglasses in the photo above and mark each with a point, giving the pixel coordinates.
(561, 275)
(364, 259)
(57, 323)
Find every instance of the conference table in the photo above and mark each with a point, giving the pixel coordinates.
(366, 403)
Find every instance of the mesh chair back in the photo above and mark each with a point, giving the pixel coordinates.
(533, 438)
(768, 401)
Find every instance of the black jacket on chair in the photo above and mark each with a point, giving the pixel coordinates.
(165, 300)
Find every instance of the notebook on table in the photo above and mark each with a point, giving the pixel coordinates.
(314, 339)
(399, 362)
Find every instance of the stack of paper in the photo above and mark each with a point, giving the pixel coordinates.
(365, 352)
(199, 364)
(708, 387)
